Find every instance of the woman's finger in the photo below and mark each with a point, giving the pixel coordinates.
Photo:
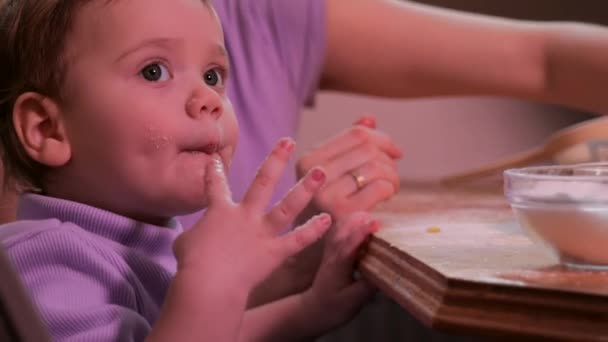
(363, 156)
(354, 180)
(296, 200)
(260, 192)
(367, 198)
(372, 194)
(347, 141)
(367, 121)
(333, 147)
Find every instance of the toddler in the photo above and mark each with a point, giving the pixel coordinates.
(114, 119)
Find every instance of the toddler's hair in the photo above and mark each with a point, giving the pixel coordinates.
(32, 45)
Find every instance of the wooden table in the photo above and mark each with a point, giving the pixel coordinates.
(457, 260)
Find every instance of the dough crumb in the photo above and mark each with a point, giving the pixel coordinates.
(433, 230)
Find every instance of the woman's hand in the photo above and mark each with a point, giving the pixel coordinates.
(360, 151)
(360, 163)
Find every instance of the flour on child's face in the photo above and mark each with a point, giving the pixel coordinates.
(145, 105)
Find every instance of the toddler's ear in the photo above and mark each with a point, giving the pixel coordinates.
(39, 125)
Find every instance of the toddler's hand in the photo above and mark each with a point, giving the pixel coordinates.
(334, 286)
(239, 241)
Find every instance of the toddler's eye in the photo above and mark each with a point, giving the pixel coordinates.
(214, 78)
(155, 72)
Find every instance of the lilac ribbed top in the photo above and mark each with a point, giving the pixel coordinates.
(93, 275)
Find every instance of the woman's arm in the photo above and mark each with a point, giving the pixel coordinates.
(409, 50)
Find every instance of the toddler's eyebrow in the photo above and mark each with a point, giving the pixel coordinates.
(224, 53)
(222, 50)
(166, 43)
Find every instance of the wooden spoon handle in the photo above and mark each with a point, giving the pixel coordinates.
(521, 159)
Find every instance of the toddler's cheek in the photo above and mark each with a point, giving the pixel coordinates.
(155, 138)
(189, 190)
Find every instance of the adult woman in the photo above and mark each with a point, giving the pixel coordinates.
(282, 51)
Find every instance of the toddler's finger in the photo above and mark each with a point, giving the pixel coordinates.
(305, 235)
(358, 237)
(349, 238)
(216, 183)
(345, 226)
(296, 200)
(259, 193)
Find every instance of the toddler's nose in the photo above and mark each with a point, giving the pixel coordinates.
(207, 103)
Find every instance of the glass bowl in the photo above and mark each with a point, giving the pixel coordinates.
(565, 208)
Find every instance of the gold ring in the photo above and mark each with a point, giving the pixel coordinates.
(359, 179)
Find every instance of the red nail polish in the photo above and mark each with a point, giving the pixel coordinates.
(374, 226)
(287, 144)
(318, 175)
(367, 121)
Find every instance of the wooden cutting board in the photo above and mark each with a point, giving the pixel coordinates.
(458, 261)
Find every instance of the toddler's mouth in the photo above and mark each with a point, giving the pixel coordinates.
(209, 148)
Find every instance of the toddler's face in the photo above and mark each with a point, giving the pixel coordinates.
(145, 107)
